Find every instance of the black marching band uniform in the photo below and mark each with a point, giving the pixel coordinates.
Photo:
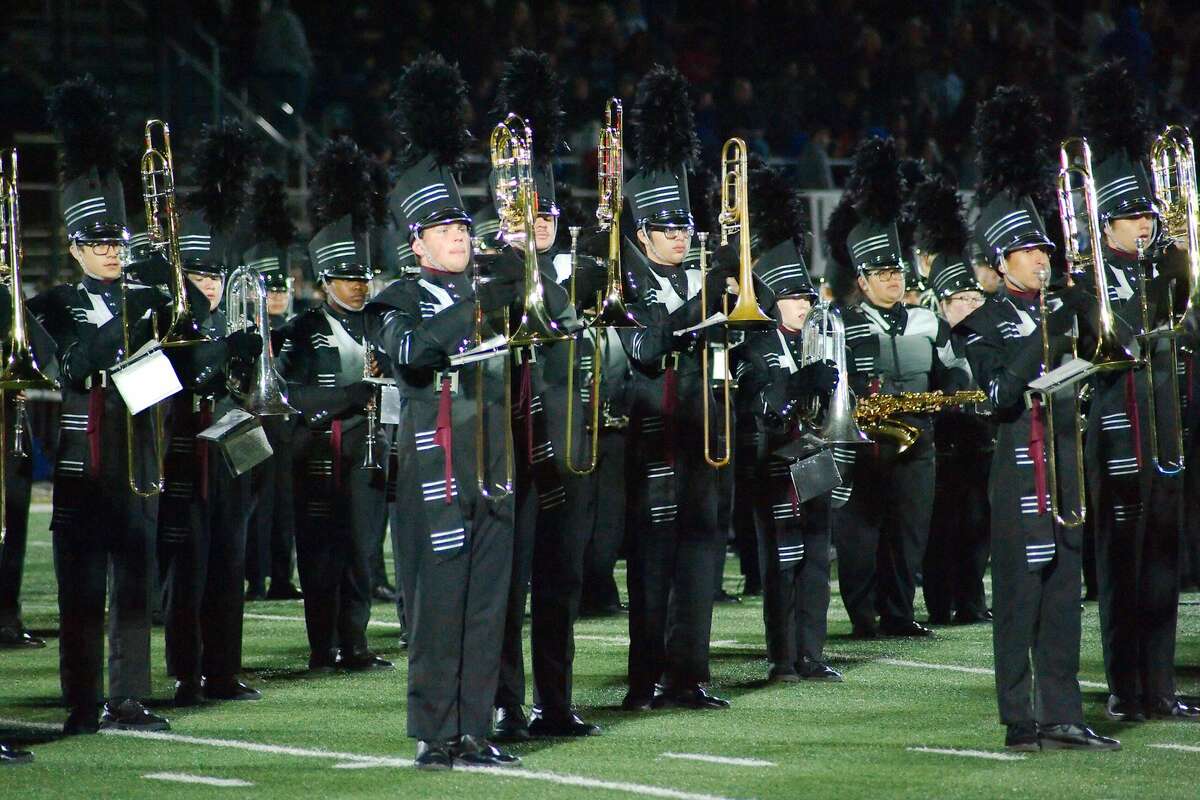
(883, 508)
(676, 545)
(553, 506)
(956, 556)
(340, 502)
(1136, 500)
(454, 554)
(271, 546)
(104, 533)
(204, 511)
(1036, 560)
(776, 388)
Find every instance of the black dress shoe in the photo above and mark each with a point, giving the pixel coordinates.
(366, 662)
(383, 594)
(130, 715)
(1022, 736)
(285, 591)
(819, 671)
(469, 751)
(725, 597)
(1173, 708)
(433, 756)
(637, 702)
(255, 594)
(19, 639)
(970, 618)
(570, 726)
(695, 697)
(10, 755)
(940, 618)
(510, 725)
(1121, 710)
(82, 721)
(229, 689)
(321, 665)
(908, 627)
(1074, 737)
(188, 693)
(864, 632)
(781, 673)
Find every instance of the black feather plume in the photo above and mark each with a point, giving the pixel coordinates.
(839, 272)
(530, 88)
(82, 114)
(776, 210)
(429, 112)
(341, 185)
(1112, 114)
(225, 157)
(381, 182)
(269, 215)
(704, 195)
(1014, 147)
(662, 124)
(875, 186)
(938, 210)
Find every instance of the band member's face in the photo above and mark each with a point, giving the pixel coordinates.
(210, 286)
(100, 259)
(988, 278)
(545, 228)
(666, 246)
(883, 287)
(277, 302)
(959, 306)
(793, 311)
(924, 263)
(1023, 269)
(1123, 234)
(444, 247)
(350, 293)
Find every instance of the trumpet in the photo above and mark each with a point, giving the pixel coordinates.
(21, 370)
(267, 395)
(824, 339)
(1075, 176)
(162, 226)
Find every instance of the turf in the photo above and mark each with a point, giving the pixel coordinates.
(843, 741)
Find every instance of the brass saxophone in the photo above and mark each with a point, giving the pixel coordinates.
(877, 414)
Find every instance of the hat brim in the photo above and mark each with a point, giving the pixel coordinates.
(445, 216)
(102, 233)
(1133, 208)
(671, 218)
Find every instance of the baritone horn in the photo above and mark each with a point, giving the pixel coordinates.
(21, 370)
(246, 306)
(824, 339)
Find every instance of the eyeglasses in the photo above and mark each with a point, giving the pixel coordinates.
(973, 300)
(671, 234)
(104, 248)
(889, 274)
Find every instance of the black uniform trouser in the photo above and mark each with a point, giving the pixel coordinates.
(1189, 551)
(745, 537)
(18, 483)
(90, 560)
(882, 532)
(608, 524)
(957, 554)
(671, 575)
(205, 572)
(795, 595)
(334, 551)
(272, 534)
(1036, 616)
(1137, 566)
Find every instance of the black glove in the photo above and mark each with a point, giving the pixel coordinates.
(820, 377)
(497, 293)
(360, 393)
(244, 345)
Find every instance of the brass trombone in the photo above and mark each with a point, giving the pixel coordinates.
(21, 370)
(1075, 176)
(1072, 517)
(1173, 167)
(589, 464)
(726, 388)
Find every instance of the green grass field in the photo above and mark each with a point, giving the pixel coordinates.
(343, 735)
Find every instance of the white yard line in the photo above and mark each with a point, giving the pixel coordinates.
(896, 662)
(946, 751)
(727, 760)
(41, 508)
(346, 759)
(1183, 748)
(183, 777)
